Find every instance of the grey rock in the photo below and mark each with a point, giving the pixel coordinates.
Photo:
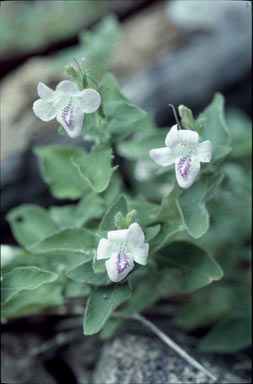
(197, 15)
(18, 364)
(81, 356)
(143, 359)
(212, 58)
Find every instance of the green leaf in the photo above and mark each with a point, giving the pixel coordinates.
(139, 149)
(113, 191)
(24, 278)
(110, 90)
(120, 130)
(195, 313)
(28, 302)
(188, 267)
(30, 224)
(193, 211)
(146, 211)
(239, 126)
(12, 257)
(121, 115)
(59, 173)
(215, 128)
(140, 300)
(107, 223)
(168, 211)
(168, 234)
(95, 168)
(78, 241)
(98, 44)
(123, 111)
(76, 289)
(89, 207)
(95, 128)
(151, 232)
(84, 273)
(64, 216)
(191, 205)
(229, 336)
(101, 303)
(98, 265)
(230, 210)
(62, 131)
(110, 327)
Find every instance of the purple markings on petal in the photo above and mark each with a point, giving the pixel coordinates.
(67, 115)
(184, 166)
(121, 265)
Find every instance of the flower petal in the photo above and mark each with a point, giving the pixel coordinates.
(105, 249)
(205, 151)
(70, 116)
(182, 136)
(117, 236)
(118, 267)
(171, 138)
(187, 168)
(67, 88)
(187, 137)
(45, 110)
(45, 92)
(140, 254)
(163, 156)
(90, 100)
(135, 235)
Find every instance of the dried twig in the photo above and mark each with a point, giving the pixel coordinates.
(59, 340)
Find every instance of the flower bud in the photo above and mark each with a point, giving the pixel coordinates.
(119, 220)
(200, 125)
(75, 76)
(70, 70)
(84, 82)
(130, 217)
(187, 117)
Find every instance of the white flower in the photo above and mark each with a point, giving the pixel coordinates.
(122, 248)
(67, 104)
(183, 149)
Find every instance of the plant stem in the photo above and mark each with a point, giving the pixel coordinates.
(175, 115)
(78, 66)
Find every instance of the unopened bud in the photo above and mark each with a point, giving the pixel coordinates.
(187, 117)
(119, 220)
(85, 82)
(130, 217)
(75, 76)
(200, 125)
(71, 71)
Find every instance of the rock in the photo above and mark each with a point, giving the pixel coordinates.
(205, 16)
(37, 350)
(144, 39)
(145, 359)
(214, 58)
(81, 356)
(18, 365)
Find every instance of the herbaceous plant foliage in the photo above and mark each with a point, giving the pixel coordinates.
(152, 213)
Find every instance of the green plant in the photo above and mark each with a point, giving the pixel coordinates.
(196, 235)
